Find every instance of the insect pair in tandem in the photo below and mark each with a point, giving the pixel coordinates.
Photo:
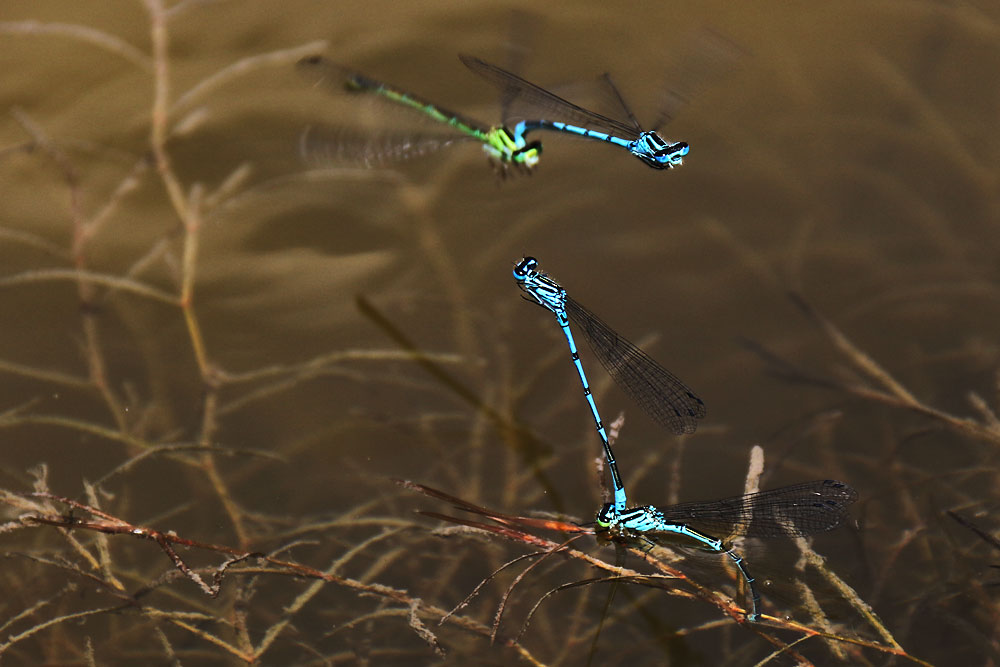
(795, 510)
(507, 145)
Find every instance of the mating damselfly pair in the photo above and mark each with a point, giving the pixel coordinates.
(796, 510)
(507, 145)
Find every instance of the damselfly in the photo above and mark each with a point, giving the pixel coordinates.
(647, 145)
(796, 510)
(660, 393)
(500, 144)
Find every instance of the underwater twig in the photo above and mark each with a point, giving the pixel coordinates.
(105, 523)
(519, 529)
(890, 392)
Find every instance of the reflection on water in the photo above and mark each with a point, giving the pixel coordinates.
(205, 336)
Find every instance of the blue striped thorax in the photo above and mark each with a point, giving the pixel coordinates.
(639, 519)
(636, 522)
(542, 289)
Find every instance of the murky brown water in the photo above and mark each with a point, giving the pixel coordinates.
(850, 157)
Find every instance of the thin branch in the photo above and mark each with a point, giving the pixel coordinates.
(99, 38)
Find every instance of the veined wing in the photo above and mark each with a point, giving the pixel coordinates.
(659, 392)
(550, 106)
(796, 510)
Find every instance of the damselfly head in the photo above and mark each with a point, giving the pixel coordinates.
(657, 152)
(525, 268)
(527, 157)
(509, 153)
(607, 515)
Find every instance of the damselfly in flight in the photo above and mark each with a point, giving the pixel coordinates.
(647, 145)
(503, 146)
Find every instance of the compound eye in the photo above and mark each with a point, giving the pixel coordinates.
(674, 150)
(605, 515)
(526, 266)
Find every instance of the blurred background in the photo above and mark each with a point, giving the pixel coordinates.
(207, 334)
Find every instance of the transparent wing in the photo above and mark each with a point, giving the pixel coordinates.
(796, 510)
(657, 391)
(331, 145)
(532, 99)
